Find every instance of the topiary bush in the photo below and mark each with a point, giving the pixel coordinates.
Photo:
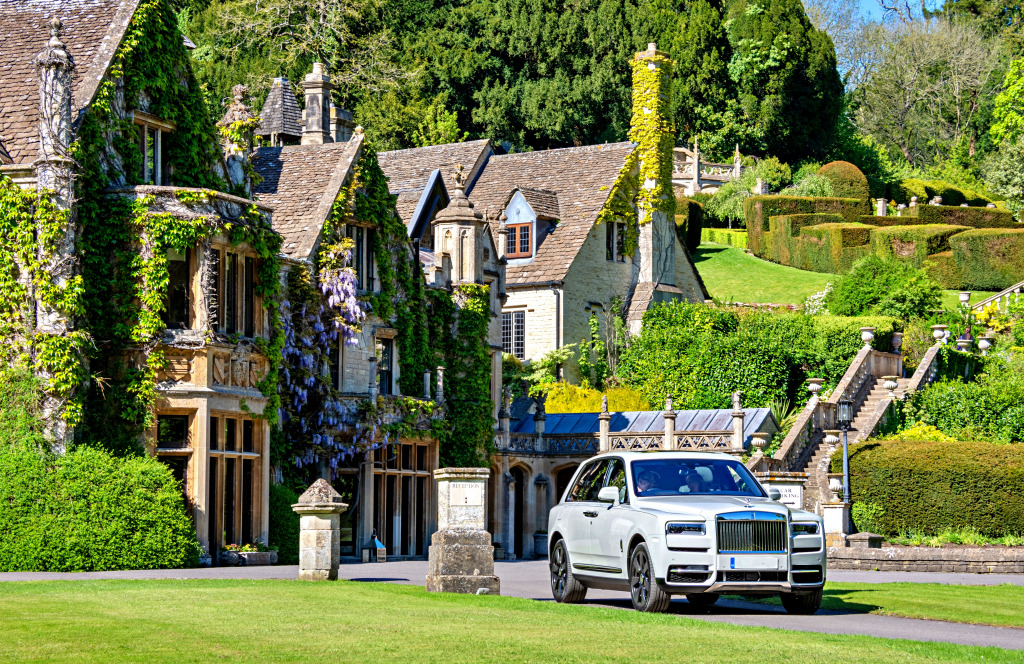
(847, 180)
(689, 222)
(284, 524)
(88, 510)
(929, 487)
(989, 258)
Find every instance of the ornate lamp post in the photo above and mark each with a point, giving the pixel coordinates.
(844, 417)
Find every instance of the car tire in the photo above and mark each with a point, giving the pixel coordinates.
(564, 586)
(702, 599)
(644, 590)
(803, 604)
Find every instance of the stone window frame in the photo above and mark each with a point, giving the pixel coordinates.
(513, 333)
(615, 242)
(238, 456)
(389, 463)
(390, 335)
(364, 262)
(218, 301)
(150, 125)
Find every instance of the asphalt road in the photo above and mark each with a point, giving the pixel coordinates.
(529, 579)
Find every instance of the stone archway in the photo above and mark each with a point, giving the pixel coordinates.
(518, 496)
(562, 478)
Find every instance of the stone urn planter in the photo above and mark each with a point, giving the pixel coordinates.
(248, 558)
(835, 485)
(540, 545)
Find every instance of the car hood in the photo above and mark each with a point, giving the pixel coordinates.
(708, 506)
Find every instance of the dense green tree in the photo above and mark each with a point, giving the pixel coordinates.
(995, 18)
(787, 83)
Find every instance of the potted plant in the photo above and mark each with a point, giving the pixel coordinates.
(256, 553)
(540, 543)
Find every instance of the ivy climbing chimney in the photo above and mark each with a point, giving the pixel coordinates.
(317, 86)
(651, 129)
(56, 264)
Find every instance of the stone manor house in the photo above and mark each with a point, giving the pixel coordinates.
(546, 231)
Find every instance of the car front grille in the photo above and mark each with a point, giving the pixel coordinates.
(807, 574)
(749, 577)
(752, 532)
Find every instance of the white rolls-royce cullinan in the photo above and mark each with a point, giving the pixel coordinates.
(659, 524)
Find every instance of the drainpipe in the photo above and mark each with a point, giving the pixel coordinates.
(558, 323)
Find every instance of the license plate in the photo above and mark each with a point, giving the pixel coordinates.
(748, 562)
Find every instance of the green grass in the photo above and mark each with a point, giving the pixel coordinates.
(732, 275)
(289, 621)
(978, 605)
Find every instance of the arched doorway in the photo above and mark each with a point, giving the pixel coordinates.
(562, 479)
(518, 498)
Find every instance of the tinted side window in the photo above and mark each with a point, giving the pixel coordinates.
(588, 484)
(617, 479)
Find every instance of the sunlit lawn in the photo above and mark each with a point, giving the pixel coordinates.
(732, 275)
(289, 621)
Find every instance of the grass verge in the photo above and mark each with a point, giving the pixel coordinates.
(289, 621)
(732, 275)
(978, 605)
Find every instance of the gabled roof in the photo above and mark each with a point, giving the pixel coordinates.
(301, 183)
(281, 113)
(581, 180)
(409, 170)
(92, 32)
(543, 202)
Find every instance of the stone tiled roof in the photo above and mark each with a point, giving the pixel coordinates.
(409, 170)
(301, 183)
(543, 202)
(281, 113)
(92, 32)
(580, 179)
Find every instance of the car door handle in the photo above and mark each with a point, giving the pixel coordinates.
(590, 513)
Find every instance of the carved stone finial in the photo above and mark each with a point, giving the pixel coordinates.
(239, 91)
(460, 177)
(56, 28)
(668, 404)
(737, 396)
(604, 403)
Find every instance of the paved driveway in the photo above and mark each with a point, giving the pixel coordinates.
(529, 579)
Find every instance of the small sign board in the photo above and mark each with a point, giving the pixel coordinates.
(466, 493)
(792, 493)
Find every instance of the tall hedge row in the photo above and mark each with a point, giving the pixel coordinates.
(732, 238)
(88, 510)
(929, 487)
(689, 222)
(989, 258)
(925, 190)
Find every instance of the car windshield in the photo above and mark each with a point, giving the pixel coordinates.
(693, 477)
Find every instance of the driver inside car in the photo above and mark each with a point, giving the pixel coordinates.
(646, 482)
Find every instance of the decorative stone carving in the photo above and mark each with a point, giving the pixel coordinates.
(220, 370)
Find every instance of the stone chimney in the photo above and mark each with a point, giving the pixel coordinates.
(651, 129)
(342, 124)
(458, 230)
(317, 116)
(54, 172)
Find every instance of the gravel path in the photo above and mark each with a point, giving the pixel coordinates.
(529, 579)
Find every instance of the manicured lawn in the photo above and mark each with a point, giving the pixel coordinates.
(983, 605)
(289, 621)
(732, 275)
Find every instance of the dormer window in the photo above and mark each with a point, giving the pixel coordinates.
(519, 241)
(152, 135)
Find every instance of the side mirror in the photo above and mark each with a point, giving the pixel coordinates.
(774, 494)
(608, 494)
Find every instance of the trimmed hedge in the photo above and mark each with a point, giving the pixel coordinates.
(912, 243)
(901, 192)
(88, 510)
(973, 217)
(758, 210)
(818, 242)
(284, 525)
(732, 238)
(847, 180)
(689, 222)
(989, 258)
(930, 487)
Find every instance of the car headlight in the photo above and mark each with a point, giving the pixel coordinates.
(684, 528)
(804, 528)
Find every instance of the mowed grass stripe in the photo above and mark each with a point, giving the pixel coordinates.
(289, 621)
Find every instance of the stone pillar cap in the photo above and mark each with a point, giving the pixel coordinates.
(462, 474)
(320, 497)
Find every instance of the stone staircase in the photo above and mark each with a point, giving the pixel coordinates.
(817, 465)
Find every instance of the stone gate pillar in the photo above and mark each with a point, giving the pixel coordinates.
(461, 557)
(319, 509)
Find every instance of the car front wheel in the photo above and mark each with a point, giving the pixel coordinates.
(564, 586)
(645, 592)
(803, 604)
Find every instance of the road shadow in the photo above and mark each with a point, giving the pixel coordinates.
(379, 579)
(735, 605)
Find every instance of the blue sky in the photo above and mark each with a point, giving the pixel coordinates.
(871, 8)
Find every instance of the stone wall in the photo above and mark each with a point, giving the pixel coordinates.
(981, 560)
